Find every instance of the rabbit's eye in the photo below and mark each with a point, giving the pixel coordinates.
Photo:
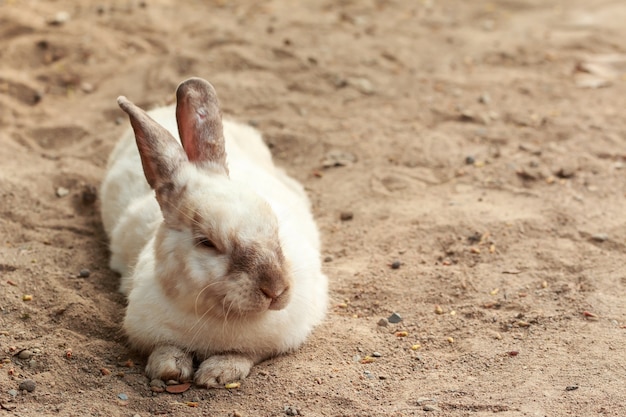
(203, 241)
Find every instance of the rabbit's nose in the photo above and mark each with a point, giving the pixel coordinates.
(272, 292)
(277, 294)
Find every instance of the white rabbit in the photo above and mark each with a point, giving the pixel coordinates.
(219, 256)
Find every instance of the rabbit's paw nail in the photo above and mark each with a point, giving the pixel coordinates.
(170, 363)
(220, 370)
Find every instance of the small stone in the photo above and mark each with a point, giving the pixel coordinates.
(25, 354)
(291, 410)
(346, 215)
(59, 18)
(376, 354)
(157, 383)
(396, 264)
(12, 392)
(382, 377)
(328, 259)
(600, 237)
(566, 172)
(363, 85)
(338, 158)
(430, 407)
(27, 385)
(383, 322)
(122, 396)
(89, 195)
(394, 318)
(469, 160)
(62, 192)
(84, 273)
(86, 87)
(571, 387)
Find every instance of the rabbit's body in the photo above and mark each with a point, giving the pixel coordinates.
(224, 262)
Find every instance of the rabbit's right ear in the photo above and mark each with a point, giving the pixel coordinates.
(200, 124)
(161, 154)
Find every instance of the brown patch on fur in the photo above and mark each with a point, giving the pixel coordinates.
(265, 264)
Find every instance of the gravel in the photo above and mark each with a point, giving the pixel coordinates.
(27, 385)
(394, 318)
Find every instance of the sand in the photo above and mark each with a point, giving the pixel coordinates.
(481, 146)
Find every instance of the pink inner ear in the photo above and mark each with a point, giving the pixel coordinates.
(200, 122)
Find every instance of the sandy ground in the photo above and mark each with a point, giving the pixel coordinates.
(482, 145)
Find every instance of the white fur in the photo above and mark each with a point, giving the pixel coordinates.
(132, 218)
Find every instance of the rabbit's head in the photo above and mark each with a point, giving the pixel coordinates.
(217, 251)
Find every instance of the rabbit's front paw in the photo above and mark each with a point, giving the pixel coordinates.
(170, 363)
(219, 370)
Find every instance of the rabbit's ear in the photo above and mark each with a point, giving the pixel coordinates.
(200, 124)
(161, 154)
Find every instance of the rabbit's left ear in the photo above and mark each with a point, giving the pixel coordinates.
(161, 154)
(200, 124)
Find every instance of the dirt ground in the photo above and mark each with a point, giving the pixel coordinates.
(479, 145)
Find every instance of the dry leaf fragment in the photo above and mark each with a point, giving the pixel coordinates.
(178, 389)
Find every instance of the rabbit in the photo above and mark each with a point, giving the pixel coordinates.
(217, 248)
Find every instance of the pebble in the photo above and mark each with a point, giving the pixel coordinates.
(363, 85)
(59, 18)
(89, 195)
(571, 387)
(86, 87)
(28, 385)
(84, 273)
(430, 407)
(157, 385)
(566, 172)
(328, 259)
(338, 158)
(122, 396)
(396, 264)
(383, 322)
(25, 354)
(394, 318)
(600, 237)
(62, 192)
(376, 354)
(469, 160)
(291, 410)
(346, 215)
(12, 392)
